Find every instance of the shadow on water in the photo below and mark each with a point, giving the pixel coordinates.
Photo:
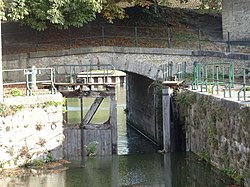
(137, 164)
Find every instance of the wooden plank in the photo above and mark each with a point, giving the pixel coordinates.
(97, 126)
(65, 145)
(80, 93)
(166, 118)
(79, 143)
(113, 119)
(92, 110)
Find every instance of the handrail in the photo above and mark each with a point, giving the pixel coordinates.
(216, 74)
(30, 76)
(167, 70)
(82, 72)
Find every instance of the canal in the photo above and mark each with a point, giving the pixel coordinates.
(138, 164)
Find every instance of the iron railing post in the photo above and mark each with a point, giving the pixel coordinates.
(228, 42)
(195, 82)
(169, 38)
(136, 36)
(69, 38)
(36, 41)
(103, 36)
(33, 78)
(199, 40)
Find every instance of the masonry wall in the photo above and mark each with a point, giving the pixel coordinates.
(217, 129)
(30, 127)
(143, 106)
(235, 19)
(142, 61)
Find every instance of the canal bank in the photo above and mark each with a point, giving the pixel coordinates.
(217, 130)
(137, 164)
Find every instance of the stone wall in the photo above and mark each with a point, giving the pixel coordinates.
(235, 19)
(30, 128)
(143, 106)
(218, 131)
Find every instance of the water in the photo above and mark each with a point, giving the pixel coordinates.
(137, 164)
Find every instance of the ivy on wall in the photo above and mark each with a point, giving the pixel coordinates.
(218, 126)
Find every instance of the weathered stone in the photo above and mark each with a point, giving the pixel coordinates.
(28, 134)
(226, 142)
(235, 19)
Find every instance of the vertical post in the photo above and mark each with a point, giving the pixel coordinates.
(166, 118)
(244, 84)
(102, 35)
(170, 69)
(169, 39)
(206, 77)
(136, 37)
(228, 42)
(113, 118)
(199, 40)
(82, 129)
(195, 73)
(217, 79)
(81, 103)
(33, 78)
(66, 113)
(69, 38)
(1, 66)
(36, 41)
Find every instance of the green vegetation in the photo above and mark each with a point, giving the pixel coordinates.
(213, 119)
(16, 92)
(38, 163)
(56, 104)
(91, 148)
(205, 157)
(64, 13)
(185, 98)
(41, 162)
(49, 157)
(6, 110)
(231, 172)
(248, 88)
(52, 103)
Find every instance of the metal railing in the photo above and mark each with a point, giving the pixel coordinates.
(181, 71)
(172, 73)
(110, 35)
(29, 77)
(167, 70)
(210, 77)
(82, 73)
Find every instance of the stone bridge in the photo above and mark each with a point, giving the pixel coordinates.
(141, 61)
(142, 68)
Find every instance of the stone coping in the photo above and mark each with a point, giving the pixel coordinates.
(126, 50)
(31, 100)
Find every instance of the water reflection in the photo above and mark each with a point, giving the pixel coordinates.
(169, 170)
(137, 170)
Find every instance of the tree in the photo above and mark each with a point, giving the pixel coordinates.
(62, 13)
(65, 13)
(211, 4)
